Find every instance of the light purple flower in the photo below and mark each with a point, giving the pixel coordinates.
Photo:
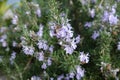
(105, 16)
(52, 29)
(4, 44)
(73, 44)
(40, 56)
(14, 44)
(60, 77)
(95, 35)
(44, 66)
(28, 50)
(35, 78)
(110, 17)
(84, 57)
(77, 39)
(67, 77)
(113, 11)
(80, 72)
(71, 75)
(88, 24)
(3, 37)
(38, 12)
(68, 49)
(113, 19)
(51, 49)
(61, 33)
(118, 46)
(52, 33)
(40, 32)
(92, 13)
(45, 46)
(42, 44)
(3, 40)
(69, 31)
(13, 56)
(49, 62)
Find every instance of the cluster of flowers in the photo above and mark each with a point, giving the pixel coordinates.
(109, 16)
(41, 44)
(78, 74)
(64, 34)
(3, 37)
(5, 44)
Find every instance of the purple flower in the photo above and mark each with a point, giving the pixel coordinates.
(88, 24)
(40, 32)
(110, 17)
(61, 33)
(113, 19)
(3, 38)
(38, 12)
(4, 44)
(40, 56)
(42, 44)
(44, 66)
(71, 75)
(49, 62)
(60, 77)
(45, 46)
(113, 11)
(80, 72)
(35, 78)
(92, 13)
(13, 56)
(52, 29)
(73, 44)
(105, 16)
(28, 50)
(84, 57)
(67, 77)
(69, 31)
(51, 49)
(95, 35)
(77, 39)
(118, 46)
(52, 33)
(68, 49)
(14, 44)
